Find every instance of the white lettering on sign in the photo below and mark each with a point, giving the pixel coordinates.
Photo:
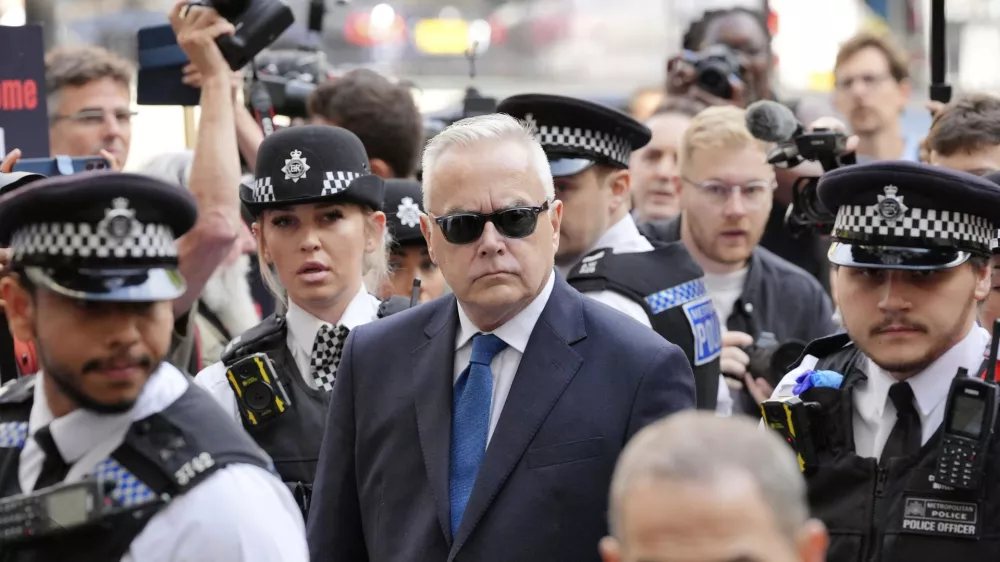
(935, 517)
(193, 468)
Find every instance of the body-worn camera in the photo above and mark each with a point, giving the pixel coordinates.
(258, 23)
(715, 68)
(771, 359)
(791, 418)
(259, 393)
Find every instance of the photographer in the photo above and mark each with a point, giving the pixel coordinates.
(726, 189)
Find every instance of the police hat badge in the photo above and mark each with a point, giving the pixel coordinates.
(118, 221)
(295, 167)
(890, 207)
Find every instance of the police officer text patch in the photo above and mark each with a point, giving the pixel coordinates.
(925, 516)
(705, 328)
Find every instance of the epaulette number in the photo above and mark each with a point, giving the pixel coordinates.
(194, 467)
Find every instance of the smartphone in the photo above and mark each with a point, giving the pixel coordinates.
(61, 165)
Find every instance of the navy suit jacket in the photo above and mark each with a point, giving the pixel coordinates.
(590, 377)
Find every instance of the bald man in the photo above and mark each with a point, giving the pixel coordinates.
(698, 488)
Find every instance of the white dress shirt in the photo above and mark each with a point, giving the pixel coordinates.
(515, 333)
(302, 329)
(874, 413)
(240, 513)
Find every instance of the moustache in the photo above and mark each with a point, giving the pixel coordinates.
(896, 323)
(117, 362)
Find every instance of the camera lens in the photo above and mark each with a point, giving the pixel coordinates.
(258, 396)
(715, 80)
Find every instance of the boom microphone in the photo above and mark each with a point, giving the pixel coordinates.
(772, 122)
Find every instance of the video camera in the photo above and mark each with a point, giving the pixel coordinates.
(258, 23)
(290, 76)
(715, 69)
(772, 122)
(771, 359)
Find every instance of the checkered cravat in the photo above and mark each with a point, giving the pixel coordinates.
(326, 355)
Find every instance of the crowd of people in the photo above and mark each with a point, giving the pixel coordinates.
(561, 342)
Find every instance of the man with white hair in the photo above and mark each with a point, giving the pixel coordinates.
(484, 425)
(699, 488)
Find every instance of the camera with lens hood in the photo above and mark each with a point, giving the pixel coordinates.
(716, 67)
(258, 23)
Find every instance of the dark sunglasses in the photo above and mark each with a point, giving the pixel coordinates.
(515, 222)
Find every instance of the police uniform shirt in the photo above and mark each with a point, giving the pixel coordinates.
(874, 414)
(515, 333)
(302, 329)
(240, 514)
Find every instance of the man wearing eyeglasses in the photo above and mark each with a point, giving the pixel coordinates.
(726, 189)
(485, 425)
(601, 252)
(89, 103)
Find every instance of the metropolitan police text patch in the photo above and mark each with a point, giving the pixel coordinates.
(926, 516)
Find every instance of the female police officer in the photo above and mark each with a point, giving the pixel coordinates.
(320, 231)
(911, 248)
(409, 260)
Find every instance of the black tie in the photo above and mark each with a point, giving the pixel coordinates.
(905, 437)
(54, 468)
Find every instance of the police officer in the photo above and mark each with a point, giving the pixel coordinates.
(601, 252)
(91, 280)
(911, 256)
(320, 234)
(410, 259)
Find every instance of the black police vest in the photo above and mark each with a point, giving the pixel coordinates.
(162, 457)
(670, 287)
(292, 439)
(893, 513)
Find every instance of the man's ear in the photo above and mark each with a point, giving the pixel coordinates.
(610, 550)
(19, 306)
(813, 541)
(426, 228)
(381, 169)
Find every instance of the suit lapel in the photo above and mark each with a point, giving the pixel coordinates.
(433, 364)
(546, 369)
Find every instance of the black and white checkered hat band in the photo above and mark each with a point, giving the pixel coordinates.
(336, 182)
(995, 243)
(616, 149)
(84, 240)
(333, 183)
(923, 226)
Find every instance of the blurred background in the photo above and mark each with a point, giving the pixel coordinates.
(605, 50)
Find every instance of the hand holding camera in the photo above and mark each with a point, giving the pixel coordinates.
(711, 77)
(197, 28)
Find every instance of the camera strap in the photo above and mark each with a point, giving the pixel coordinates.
(260, 103)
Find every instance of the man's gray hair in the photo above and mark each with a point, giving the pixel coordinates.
(702, 448)
(482, 128)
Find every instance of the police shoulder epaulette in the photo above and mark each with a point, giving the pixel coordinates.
(262, 335)
(392, 305)
(592, 263)
(825, 346)
(18, 391)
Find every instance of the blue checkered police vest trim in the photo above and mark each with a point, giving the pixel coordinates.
(676, 296)
(129, 491)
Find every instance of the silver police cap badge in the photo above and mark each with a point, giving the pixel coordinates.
(118, 221)
(408, 212)
(295, 167)
(532, 124)
(890, 207)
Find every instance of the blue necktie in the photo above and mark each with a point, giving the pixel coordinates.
(470, 422)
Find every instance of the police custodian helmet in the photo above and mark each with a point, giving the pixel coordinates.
(905, 215)
(403, 207)
(102, 236)
(575, 133)
(311, 164)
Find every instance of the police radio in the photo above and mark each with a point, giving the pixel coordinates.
(969, 418)
(257, 388)
(53, 510)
